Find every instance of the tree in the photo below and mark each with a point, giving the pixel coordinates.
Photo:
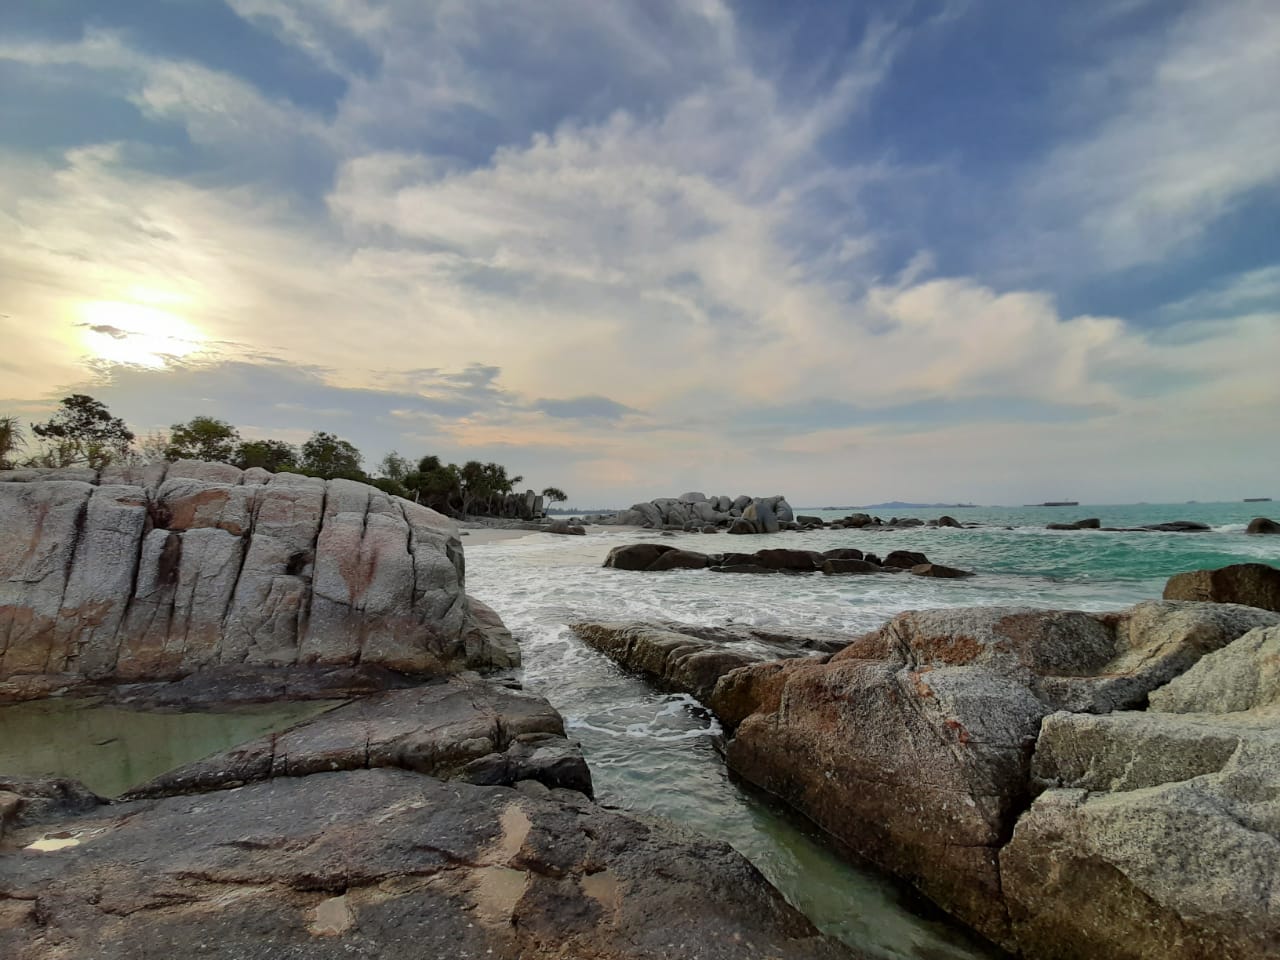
(202, 438)
(324, 455)
(553, 495)
(154, 447)
(274, 455)
(394, 467)
(82, 431)
(12, 440)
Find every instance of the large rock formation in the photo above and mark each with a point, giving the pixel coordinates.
(743, 515)
(1160, 836)
(386, 863)
(156, 572)
(913, 745)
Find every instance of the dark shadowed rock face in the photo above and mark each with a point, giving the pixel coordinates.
(1252, 584)
(384, 863)
(1262, 525)
(157, 572)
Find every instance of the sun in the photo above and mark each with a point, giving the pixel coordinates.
(136, 334)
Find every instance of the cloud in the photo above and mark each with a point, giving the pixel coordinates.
(592, 408)
(626, 246)
(1185, 133)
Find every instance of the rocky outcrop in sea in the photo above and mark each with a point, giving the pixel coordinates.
(844, 561)
(1069, 784)
(694, 511)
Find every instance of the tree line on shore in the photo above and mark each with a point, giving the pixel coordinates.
(82, 432)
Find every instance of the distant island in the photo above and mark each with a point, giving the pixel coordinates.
(899, 505)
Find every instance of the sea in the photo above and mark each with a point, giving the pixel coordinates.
(652, 753)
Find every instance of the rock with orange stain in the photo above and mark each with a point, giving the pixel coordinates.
(913, 746)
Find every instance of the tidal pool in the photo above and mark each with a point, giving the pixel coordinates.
(110, 749)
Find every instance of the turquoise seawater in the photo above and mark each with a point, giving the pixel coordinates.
(656, 753)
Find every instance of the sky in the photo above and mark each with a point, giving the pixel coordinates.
(998, 252)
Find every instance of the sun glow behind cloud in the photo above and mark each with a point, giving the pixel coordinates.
(136, 334)
(676, 260)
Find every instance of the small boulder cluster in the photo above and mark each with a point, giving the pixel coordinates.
(696, 511)
(655, 557)
(861, 521)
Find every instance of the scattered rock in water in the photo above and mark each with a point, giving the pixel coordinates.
(939, 571)
(564, 528)
(1090, 523)
(906, 559)
(652, 557)
(1251, 584)
(1178, 526)
(1262, 525)
(834, 568)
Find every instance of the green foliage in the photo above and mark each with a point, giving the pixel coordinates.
(202, 438)
(554, 495)
(324, 455)
(393, 487)
(12, 439)
(274, 455)
(83, 431)
(394, 467)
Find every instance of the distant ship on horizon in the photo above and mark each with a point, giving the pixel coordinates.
(1257, 499)
(1056, 503)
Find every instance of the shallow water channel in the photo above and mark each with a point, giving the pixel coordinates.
(110, 748)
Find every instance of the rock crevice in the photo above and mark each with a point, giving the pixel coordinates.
(154, 573)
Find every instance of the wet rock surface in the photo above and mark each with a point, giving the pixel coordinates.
(383, 863)
(461, 728)
(692, 660)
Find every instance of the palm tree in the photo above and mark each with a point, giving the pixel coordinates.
(12, 439)
(554, 495)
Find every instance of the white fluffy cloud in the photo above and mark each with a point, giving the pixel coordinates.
(685, 261)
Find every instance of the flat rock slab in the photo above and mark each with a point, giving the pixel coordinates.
(461, 728)
(384, 863)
